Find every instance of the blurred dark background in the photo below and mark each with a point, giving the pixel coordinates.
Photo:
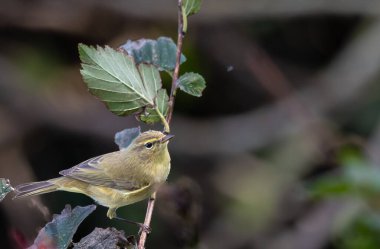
(281, 152)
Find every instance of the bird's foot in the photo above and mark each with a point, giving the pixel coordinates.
(144, 228)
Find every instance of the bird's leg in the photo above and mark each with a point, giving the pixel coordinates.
(142, 226)
(112, 215)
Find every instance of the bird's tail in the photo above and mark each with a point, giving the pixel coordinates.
(35, 188)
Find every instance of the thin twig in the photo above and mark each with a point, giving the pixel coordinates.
(178, 62)
(151, 201)
(148, 218)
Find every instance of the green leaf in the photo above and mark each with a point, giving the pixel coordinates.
(150, 114)
(191, 7)
(125, 137)
(115, 79)
(364, 177)
(5, 188)
(192, 83)
(330, 186)
(151, 76)
(59, 232)
(160, 53)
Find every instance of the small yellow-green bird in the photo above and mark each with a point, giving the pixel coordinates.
(115, 179)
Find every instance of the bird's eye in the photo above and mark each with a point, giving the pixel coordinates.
(148, 145)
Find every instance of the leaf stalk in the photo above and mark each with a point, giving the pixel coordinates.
(163, 120)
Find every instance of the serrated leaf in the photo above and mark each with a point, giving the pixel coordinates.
(162, 101)
(192, 83)
(114, 77)
(160, 52)
(191, 7)
(151, 76)
(150, 115)
(59, 232)
(5, 188)
(125, 137)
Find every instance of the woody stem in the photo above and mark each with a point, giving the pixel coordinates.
(181, 34)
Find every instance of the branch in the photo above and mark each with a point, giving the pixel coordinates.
(314, 229)
(181, 34)
(59, 15)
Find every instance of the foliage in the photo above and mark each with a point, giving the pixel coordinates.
(114, 77)
(128, 81)
(362, 233)
(125, 137)
(58, 233)
(151, 115)
(160, 53)
(192, 83)
(357, 179)
(5, 188)
(109, 238)
(191, 7)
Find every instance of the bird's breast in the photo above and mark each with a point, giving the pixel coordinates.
(161, 172)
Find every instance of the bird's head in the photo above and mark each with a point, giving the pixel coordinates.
(151, 143)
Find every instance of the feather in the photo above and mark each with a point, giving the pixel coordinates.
(94, 172)
(34, 188)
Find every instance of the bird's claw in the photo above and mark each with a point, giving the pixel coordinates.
(144, 228)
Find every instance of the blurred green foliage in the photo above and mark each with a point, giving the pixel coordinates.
(357, 179)
(363, 233)
(5, 188)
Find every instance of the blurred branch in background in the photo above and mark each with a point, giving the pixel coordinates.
(357, 63)
(25, 215)
(58, 15)
(313, 230)
(348, 76)
(373, 147)
(263, 191)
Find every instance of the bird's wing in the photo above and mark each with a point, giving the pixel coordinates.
(91, 171)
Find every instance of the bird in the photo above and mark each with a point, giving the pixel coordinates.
(115, 179)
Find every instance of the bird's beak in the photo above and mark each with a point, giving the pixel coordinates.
(166, 138)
